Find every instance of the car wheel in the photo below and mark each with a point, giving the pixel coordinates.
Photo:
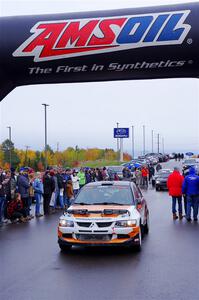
(65, 248)
(146, 226)
(157, 188)
(138, 247)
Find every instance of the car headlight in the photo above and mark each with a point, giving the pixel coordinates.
(157, 181)
(66, 223)
(129, 223)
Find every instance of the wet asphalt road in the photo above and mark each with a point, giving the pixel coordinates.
(33, 268)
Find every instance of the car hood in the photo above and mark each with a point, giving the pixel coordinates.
(99, 210)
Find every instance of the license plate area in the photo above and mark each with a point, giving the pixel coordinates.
(94, 237)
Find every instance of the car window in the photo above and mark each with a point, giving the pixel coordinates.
(121, 195)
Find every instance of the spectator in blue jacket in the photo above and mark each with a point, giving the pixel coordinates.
(191, 189)
(38, 192)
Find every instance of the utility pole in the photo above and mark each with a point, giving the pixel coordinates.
(163, 145)
(10, 150)
(152, 141)
(45, 119)
(118, 143)
(144, 139)
(121, 150)
(26, 157)
(158, 143)
(133, 143)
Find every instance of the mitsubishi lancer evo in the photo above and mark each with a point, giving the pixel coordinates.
(105, 214)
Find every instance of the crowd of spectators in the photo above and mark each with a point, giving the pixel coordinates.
(56, 188)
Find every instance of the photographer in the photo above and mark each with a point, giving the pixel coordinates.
(16, 211)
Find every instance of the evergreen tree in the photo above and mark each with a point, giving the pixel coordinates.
(10, 153)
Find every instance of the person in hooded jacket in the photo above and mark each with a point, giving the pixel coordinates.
(174, 184)
(191, 189)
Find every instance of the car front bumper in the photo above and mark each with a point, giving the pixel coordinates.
(129, 242)
(119, 239)
(161, 185)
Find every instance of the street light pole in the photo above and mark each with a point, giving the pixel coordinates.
(158, 143)
(10, 139)
(117, 142)
(26, 157)
(143, 139)
(133, 144)
(163, 145)
(45, 111)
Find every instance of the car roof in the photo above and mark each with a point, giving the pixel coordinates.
(109, 183)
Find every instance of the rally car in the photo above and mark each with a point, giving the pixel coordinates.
(105, 213)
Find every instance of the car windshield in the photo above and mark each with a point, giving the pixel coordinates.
(119, 195)
(164, 175)
(163, 171)
(190, 161)
(116, 168)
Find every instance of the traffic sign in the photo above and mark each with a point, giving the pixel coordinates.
(121, 133)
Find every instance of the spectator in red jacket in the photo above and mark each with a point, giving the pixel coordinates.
(16, 210)
(145, 174)
(174, 184)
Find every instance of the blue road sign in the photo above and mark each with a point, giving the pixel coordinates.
(121, 132)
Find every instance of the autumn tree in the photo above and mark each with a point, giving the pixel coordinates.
(10, 153)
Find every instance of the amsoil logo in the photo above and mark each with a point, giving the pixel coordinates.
(69, 38)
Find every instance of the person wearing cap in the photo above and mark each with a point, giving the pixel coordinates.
(174, 184)
(191, 189)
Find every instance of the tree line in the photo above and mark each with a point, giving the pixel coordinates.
(70, 157)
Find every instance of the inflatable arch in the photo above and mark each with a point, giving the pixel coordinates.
(145, 43)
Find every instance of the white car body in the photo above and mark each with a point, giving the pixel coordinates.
(98, 224)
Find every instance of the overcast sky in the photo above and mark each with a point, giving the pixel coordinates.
(85, 114)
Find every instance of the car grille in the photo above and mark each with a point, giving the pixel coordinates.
(99, 224)
(84, 224)
(94, 237)
(104, 224)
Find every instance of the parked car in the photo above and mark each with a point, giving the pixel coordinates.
(190, 162)
(161, 179)
(109, 213)
(115, 170)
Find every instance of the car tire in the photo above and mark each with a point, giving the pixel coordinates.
(138, 247)
(158, 189)
(65, 248)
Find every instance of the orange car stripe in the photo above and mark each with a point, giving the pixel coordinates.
(135, 231)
